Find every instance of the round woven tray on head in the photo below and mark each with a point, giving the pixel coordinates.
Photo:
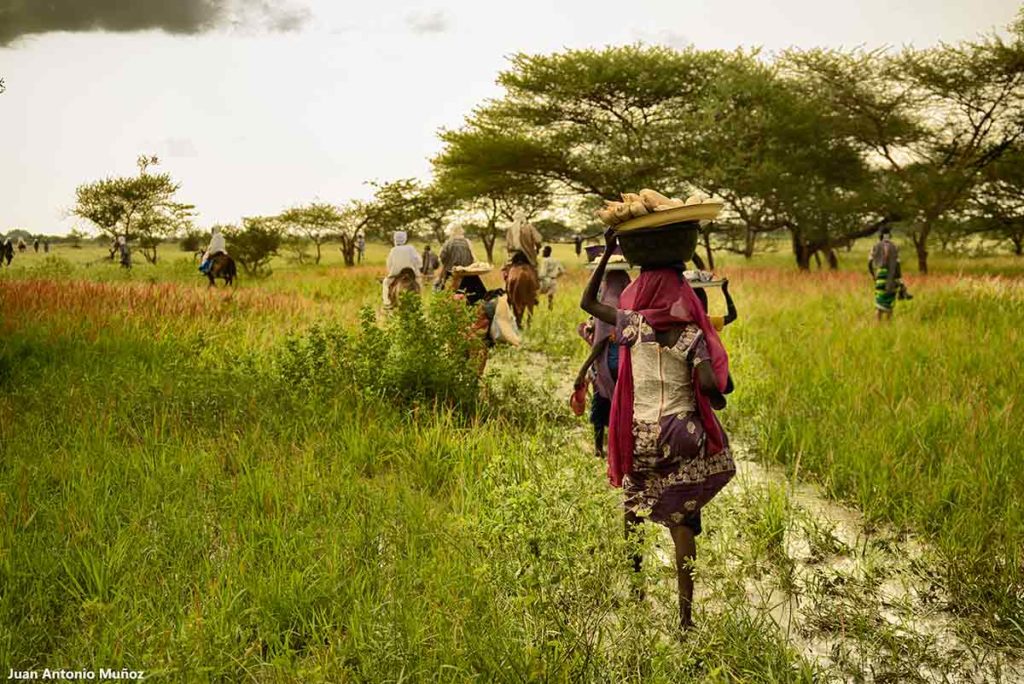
(615, 263)
(476, 268)
(702, 279)
(705, 211)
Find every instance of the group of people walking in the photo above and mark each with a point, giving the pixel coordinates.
(8, 246)
(523, 244)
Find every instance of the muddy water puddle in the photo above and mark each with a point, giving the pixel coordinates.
(862, 603)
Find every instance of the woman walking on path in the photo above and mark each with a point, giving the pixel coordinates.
(666, 448)
(604, 358)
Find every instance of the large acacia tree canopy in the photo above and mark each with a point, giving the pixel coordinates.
(822, 143)
(592, 121)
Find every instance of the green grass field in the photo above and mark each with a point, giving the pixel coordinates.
(193, 484)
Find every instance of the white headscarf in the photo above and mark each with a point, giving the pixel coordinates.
(400, 237)
(456, 231)
(217, 243)
(518, 222)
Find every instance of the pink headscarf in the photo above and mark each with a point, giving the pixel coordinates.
(665, 300)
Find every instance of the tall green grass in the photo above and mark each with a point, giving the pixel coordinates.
(918, 422)
(205, 512)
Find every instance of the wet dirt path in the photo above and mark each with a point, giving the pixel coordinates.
(860, 604)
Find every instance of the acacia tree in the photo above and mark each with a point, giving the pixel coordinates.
(255, 243)
(765, 144)
(596, 122)
(421, 208)
(934, 119)
(999, 203)
(136, 207)
(603, 122)
(314, 222)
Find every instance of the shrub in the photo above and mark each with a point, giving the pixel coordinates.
(416, 355)
(255, 243)
(192, 240)
(52, 267)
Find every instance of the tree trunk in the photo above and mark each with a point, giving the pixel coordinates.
(707, 249)
(317, 243)
(833, 260)
(802, 253)
(749, 241)
(489, 246)
(817, 259)
(1018, 244)
(921, 246)
(348, 250)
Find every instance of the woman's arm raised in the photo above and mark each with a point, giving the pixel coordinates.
(589, 302)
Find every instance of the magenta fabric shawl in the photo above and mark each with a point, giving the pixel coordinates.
(665, 300)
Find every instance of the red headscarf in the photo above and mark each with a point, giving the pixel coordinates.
(665, 300)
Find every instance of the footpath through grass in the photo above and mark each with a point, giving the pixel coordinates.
(184, 490)
(917, 422)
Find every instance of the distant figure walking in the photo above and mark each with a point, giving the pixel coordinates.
(430, 264)
(550, 271)
(7, 251)
(35, 245)
(578, 244)
(884, 267)
(603, 359)
(360, 248)
(21, 245)
(456, 251)
(403, 262)
(46, 246)
(124, 251)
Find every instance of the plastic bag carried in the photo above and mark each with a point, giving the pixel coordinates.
(503, 324)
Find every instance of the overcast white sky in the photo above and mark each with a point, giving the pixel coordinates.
(251, 122)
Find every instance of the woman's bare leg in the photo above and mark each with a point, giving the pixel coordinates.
(686, 554)
(638, 590)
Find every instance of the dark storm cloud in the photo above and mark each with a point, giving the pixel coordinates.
(25, 17)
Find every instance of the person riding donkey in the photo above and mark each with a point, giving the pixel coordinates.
(216, 248)
(403, 265)
(522, 240)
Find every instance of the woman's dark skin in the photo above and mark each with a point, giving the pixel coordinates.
(730, 306)
(581, 378)
(682, 535)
